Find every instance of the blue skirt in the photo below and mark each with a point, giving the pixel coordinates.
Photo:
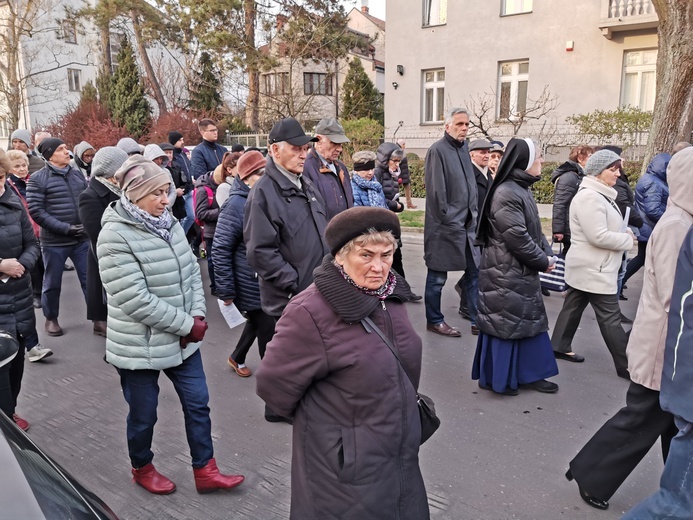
(505, 363)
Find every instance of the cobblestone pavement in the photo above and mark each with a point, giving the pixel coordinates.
(494, 458)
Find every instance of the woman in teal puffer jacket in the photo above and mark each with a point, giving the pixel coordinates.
(156, 322)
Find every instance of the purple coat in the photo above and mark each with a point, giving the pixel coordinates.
(356, 429)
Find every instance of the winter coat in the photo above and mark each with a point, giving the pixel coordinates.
(204, 210)
(154, 290)
(367, 193)
(224, 190)
(652, 193)
(234, 278)
(181, 161)
(77, 163)
(335, 189)
(35, 162)
(179, 181)
(18, 241)
(382, 174)
(205, 157)
(18, 185)
(675, 394)
(625, 198)
(482, 185)
(647, 339)
(404, 176)
(284, 228)
(510, 301)
(451, 206)
(53, 198)
(597, 242)
(356, 427)
(566, 179)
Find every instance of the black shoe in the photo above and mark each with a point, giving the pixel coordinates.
(575, 358)
(507, 391)
(623, 373)
(625, 319)
(278, 419)
(592, 501)
(625, 286)
(545, 292)
(415, 297)
(543, 386)
(622, 297)
(465, 314)
(37, 303)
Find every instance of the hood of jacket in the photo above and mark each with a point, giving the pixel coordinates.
(568, 166)
(384, 152)
(81, 148)
(153, 151)
(680, 180)
(658, 166)
(238, 187)
(206, 180)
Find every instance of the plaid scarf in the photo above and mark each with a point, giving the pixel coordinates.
(158, 225)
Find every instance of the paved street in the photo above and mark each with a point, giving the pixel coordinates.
(494, 458)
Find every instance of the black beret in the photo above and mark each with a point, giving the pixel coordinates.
(355, 222)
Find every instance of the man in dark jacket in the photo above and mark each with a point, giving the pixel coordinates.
(324, 169)
(208, 154)
(21, 140)
(53, 197)
(674, 499)
(180, 159)
(450, 225)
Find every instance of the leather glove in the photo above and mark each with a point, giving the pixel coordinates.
(197, 333)
(76, 230)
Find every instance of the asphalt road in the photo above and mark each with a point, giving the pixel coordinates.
(494, 457)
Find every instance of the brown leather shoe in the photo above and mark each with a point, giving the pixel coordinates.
(100, 328)
(53, 328)
(241, 371)
(444, 330)
(475, 330)
(153, 481)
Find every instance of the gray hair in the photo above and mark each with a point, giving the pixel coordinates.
(453, 112)
(681, 145)
(397, 154)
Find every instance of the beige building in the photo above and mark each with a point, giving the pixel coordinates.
(500, 56)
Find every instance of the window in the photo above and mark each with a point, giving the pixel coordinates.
(435, 12)
(4, 127)
(68, 31)
(116, 43)
(513, 79)
(639, 79)
(317, 83)
(515, 7)
(73, 80)
(433, 96)
(276, 84)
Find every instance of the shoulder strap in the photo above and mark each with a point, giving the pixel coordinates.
(369, 325)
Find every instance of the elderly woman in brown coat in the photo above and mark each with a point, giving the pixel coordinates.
(355, 417)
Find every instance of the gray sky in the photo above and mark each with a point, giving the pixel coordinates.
(375, 7)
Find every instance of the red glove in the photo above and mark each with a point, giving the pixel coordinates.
(197, 333)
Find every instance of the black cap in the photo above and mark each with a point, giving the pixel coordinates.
(166, 146)
(291, 131)
(174, 137)
(238, 147)
(48, 147)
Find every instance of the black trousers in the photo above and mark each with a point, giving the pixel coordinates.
(636, 262)
(11, 380)
(608, 317)
(616, 449)
(397, 262)
(260, 326)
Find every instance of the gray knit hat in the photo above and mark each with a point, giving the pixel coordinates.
(107, 161)
(129, 145)
(22, 135)
(600, 161)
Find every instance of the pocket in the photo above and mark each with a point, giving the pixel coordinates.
(346, 456)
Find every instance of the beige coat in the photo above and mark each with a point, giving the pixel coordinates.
(597, 242)
(646, 345)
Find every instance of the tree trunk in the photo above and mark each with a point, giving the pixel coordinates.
(148, 69)
(672, 120)
(252, 111)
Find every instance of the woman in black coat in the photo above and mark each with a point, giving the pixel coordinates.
(514, 348)
(93, 202)
(19, 250)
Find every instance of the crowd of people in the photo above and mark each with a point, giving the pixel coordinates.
(309, 250)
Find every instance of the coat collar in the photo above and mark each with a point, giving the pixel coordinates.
(593, 184)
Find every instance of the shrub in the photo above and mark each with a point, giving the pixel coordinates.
(88, 121)
(416, 175)
(364, 133)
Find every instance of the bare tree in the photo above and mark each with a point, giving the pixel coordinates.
(482, 114)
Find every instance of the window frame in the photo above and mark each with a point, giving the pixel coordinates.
(434, 86)
(515, 78)
(323, 86)
(427, 10)
(68, 31)
(639, 70)
(504, 7)
(275, 83)
(72, 85)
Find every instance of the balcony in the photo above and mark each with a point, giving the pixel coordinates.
(626, 15)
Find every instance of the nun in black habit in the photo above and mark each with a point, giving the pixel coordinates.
(513, 349)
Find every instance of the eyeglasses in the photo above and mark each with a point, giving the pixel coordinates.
(88, 156)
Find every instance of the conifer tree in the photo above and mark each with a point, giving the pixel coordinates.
(360, 98)
(205, 87)
(127, 103)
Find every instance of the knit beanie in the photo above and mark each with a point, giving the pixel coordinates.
(48, 147)
(249, 162)
(138, 177)
(600, 161)
(22, 135)
(357, 221)
(174, 137)
(107, 161)
(129, 145)
(238, 147)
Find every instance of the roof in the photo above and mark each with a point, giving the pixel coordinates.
(377, 21)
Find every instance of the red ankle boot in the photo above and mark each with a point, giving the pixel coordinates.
(153, 481)
(208, 479)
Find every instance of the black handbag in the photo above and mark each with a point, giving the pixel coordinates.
(427, 409)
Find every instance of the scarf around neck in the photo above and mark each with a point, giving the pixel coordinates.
(381, 293)
(160, 226)
(112, 187)
(374, 190)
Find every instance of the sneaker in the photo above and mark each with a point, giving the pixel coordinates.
(38, 353)
(37, 303)
(22, 423)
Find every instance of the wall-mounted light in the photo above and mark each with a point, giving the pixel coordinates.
(400, 70)
(395, 85)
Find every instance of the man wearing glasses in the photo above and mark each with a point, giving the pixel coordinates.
(208, 154)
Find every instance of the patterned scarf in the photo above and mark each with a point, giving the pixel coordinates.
(158, 225)
(112, 187)
(381, 293)
(374, 190)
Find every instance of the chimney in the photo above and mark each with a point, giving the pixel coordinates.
(364, 6)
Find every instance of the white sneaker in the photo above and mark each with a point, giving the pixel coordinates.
(38, 353)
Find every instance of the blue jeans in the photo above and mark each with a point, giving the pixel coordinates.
(141, 391)
(54, 261)
(674, 500)
(622, 273)
(435, 280)
(187, 222)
